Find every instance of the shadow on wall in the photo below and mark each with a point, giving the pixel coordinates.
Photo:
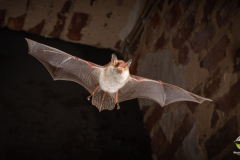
(43, 119)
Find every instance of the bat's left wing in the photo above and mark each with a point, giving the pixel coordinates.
(63, 66)
(160, 92)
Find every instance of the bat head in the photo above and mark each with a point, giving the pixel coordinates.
(119, 64)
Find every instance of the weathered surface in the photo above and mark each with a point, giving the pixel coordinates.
(230, 100)
(85, 22)
(16, 23)
(202, 38)
(37, 29)
(178, 137)
(183, 31)
(190, 148)
(216, 54)
(162, 68)
(186, 4)
(237, 60)
(173, 16)
(152, 29)
(58, 27)
(157, 141)
(78, 22)
(214, 119)
(198, 51)
(225, 13)
(208, 8)
(154, 119)
(213, 84)
(222, 138)
(171, 121)
(161, 42)
(183, 55)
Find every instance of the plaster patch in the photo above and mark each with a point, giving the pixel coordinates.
(171, 120)
(191, 148)
(132, 19)
(162, 68)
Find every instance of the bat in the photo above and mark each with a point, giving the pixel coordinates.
(110, 84)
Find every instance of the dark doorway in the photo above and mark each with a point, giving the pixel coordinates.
(45, 119)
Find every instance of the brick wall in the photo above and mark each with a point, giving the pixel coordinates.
(102, 23)
(195, 45)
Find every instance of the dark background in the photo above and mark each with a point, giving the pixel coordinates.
(45, 119)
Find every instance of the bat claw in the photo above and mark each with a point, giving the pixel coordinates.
(88, 98)
(118, 106)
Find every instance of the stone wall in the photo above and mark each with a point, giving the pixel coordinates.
(194, 45)
(101, 23)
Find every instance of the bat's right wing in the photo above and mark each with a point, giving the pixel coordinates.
(162, 93)
(63, 66)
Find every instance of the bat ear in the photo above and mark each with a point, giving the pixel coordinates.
(128, 64)
(114, 58)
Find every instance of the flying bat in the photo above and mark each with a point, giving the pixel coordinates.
(110, 84)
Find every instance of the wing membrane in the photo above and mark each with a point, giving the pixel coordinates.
(63, 66)
(162, 93)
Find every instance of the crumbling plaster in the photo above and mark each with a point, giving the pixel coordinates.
(101, 23)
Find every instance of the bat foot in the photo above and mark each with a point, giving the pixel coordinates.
(118, 106)
(88, 98)
(92, 93)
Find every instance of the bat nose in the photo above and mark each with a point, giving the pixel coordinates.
(121, 65)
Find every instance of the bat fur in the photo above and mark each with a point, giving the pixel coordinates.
(111, 80)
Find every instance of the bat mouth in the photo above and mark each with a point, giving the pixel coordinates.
(120, 68)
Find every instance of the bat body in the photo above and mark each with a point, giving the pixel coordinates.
(111, 80)
(110, 84)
